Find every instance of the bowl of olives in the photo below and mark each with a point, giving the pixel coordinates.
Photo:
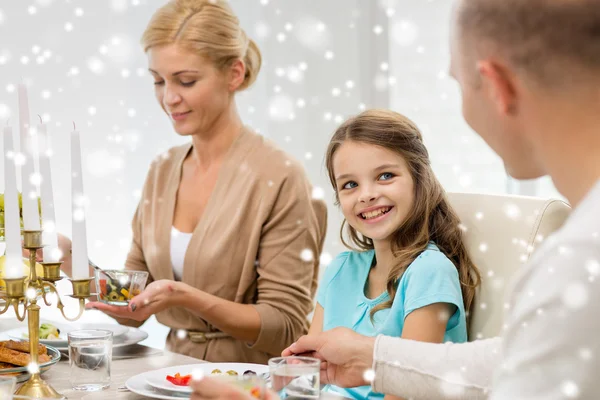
(118, 287)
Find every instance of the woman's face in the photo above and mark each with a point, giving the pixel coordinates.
(189, 88)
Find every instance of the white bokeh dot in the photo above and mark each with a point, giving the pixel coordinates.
(585, 354)
(312, 34)
(261, 30)
(512, 211)
(280, 107)
(593, 267)
(404, 32)
(95, 65)
(318, 193)
(570, 389)
(369, 375)
(306, 255)
(575, 295)
(119, 6)
(325, 259)
(4, 111)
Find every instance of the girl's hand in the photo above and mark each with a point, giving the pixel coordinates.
(157, 296)
(214, 389)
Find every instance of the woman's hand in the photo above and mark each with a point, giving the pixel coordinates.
(157, 296)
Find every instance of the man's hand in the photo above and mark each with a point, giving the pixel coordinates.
(345, 355)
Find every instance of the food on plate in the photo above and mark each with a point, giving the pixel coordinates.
(19, 358)
(231, 372)
(117, 289)
(22, 346)
(49, 332)
(180, 380)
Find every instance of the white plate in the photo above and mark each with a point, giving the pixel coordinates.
(158, 378)
(133, 336)
(137, 384)
(20, 333)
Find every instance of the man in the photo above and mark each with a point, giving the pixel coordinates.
(529, 71)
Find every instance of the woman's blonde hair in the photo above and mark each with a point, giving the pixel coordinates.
(431, 219)
(208, 28)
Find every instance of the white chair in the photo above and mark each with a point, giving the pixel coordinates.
(501, 232)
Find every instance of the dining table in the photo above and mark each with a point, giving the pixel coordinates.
(126, 362)
(122, 368)
(125, 365)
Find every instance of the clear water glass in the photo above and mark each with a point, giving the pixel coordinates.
(295, 377)
(90, 356)
(7, 387)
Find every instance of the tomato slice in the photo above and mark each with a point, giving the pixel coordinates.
(103, 286)
(255, 392)
(180, 380)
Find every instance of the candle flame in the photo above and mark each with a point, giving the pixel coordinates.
(74, 128)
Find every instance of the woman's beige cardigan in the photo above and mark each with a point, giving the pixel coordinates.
(258, 242)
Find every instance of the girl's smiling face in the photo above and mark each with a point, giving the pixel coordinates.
(374, 187)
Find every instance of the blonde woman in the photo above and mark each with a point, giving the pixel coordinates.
(223, 220)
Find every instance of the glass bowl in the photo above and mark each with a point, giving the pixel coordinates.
(22, 373)
(118, 286)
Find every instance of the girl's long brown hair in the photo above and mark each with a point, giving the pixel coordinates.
(431, 218)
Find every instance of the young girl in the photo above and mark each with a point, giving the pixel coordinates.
(412, 276)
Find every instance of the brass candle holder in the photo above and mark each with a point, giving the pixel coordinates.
(25, 291)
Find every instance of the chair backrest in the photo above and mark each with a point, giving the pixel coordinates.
(501, 232)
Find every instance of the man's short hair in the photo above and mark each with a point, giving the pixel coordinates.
(548, 39)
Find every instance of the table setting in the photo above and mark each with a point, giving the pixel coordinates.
(74, 355)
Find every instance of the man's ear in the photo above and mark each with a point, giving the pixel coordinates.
(499, 84)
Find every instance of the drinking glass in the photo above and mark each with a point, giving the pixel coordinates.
(7, 387)
(90, 355)
(295, 377)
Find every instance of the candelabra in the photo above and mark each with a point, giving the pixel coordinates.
(23, 294)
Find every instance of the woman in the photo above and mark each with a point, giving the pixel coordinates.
(226, 225)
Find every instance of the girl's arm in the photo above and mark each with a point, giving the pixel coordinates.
(316, 325)
(426, 324)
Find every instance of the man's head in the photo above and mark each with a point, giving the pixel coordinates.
(518, 62)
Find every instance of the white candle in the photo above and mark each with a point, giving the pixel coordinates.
(13, 267)
(79, 246)
(31, 216)
(49, 236)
